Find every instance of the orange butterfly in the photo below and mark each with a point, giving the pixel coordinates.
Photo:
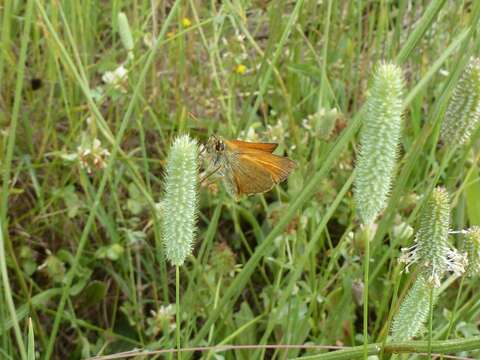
(247, 167)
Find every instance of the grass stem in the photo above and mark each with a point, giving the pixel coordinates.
(366, 270)
(430, 322)
(177, 309)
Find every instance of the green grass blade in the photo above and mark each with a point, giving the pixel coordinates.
(31, 341)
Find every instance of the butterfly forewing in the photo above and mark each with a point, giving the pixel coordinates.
(240, 146)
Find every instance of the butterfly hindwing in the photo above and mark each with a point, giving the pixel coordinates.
(257, 171)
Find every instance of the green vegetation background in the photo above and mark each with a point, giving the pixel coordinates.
(80, 216)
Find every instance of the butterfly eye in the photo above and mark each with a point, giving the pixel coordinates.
(220, 146)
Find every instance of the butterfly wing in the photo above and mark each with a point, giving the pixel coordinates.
(238, 145)
(257, 171)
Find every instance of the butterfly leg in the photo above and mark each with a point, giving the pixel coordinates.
(210, 174)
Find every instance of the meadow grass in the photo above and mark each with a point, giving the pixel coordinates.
(92, 96)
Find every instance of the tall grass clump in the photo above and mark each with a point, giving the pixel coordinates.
(463, 111)
(94, 99)
(180, 199)
(379, 140)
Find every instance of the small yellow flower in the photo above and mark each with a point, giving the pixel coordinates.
(186, 22)
(240, 69)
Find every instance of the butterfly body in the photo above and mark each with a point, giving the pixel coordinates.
(247, 168)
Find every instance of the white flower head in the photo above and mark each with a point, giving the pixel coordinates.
(92, 155)
(116, 78)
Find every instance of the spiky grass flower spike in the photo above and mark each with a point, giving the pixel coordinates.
(413, 312)
(472, 248)
(379, 140)
(463, 111)
(125, 32)
(180, 199)
(431, 250)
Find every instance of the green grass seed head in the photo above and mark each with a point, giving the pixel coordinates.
(379, 140)
(413, 312)
(472, 248)
(124, 31)
(463, 111)
(431, 250)
(180, 199)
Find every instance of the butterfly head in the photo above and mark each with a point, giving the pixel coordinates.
(215, 145)
(215, 150)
